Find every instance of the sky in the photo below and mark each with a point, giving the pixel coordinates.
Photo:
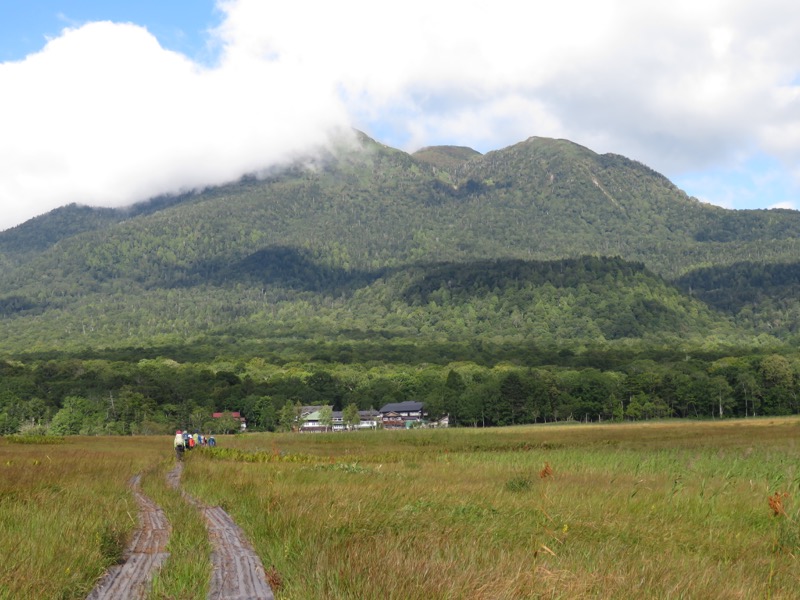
(110, 103)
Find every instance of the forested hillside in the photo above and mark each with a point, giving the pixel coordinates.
(537, 255)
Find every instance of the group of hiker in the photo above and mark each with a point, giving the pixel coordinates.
(186, 441)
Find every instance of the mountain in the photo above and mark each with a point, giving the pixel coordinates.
(544, 242)
(446, 158)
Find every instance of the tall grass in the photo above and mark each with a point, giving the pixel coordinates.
(65, 512)
(666, 510)
(671, 510)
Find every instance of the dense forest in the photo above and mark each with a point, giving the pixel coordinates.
(535, 283)
(106, 396)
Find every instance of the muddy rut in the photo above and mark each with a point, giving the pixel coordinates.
(237, 570)
(143, 556)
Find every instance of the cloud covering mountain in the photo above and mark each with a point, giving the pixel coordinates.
(708, 94)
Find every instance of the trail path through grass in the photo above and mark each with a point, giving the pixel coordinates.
(237, 570)
(145, 554)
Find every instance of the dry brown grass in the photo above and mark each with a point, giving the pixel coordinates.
(776, 501)
(274, 579)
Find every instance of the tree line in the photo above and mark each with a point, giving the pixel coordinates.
(156, 395)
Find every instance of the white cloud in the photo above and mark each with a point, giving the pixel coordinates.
(679, 85)
(721, 202)
(104, 115)
(788, 205)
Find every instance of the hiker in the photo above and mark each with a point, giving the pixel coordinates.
(211, 441)
(179, 445)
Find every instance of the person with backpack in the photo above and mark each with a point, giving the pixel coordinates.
(179, 445)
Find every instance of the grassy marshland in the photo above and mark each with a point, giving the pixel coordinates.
(694, 510)
(66, 511)
(670, 510)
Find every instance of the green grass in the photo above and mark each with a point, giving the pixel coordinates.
(66, 512)
(672, 510)
(186, 573)
(659, 510)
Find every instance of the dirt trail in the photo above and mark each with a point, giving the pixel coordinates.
(237, 570)
(143, 556)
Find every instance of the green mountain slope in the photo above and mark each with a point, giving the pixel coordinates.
(759, 295)
(446, 244)
(283, 295)
(25, 241)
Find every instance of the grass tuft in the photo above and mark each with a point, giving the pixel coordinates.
(518, 484)
(776, 503)
(111, 543)
(274, 579)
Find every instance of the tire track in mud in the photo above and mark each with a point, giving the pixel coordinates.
(144, 555)
(237, 570)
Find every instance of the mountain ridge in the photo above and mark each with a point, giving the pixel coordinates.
(342, 227)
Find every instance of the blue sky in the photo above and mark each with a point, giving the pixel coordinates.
(183, 26)
(107, 103)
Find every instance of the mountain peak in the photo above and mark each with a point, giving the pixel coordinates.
(446, 158)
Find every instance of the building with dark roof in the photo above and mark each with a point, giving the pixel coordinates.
(402, 415)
